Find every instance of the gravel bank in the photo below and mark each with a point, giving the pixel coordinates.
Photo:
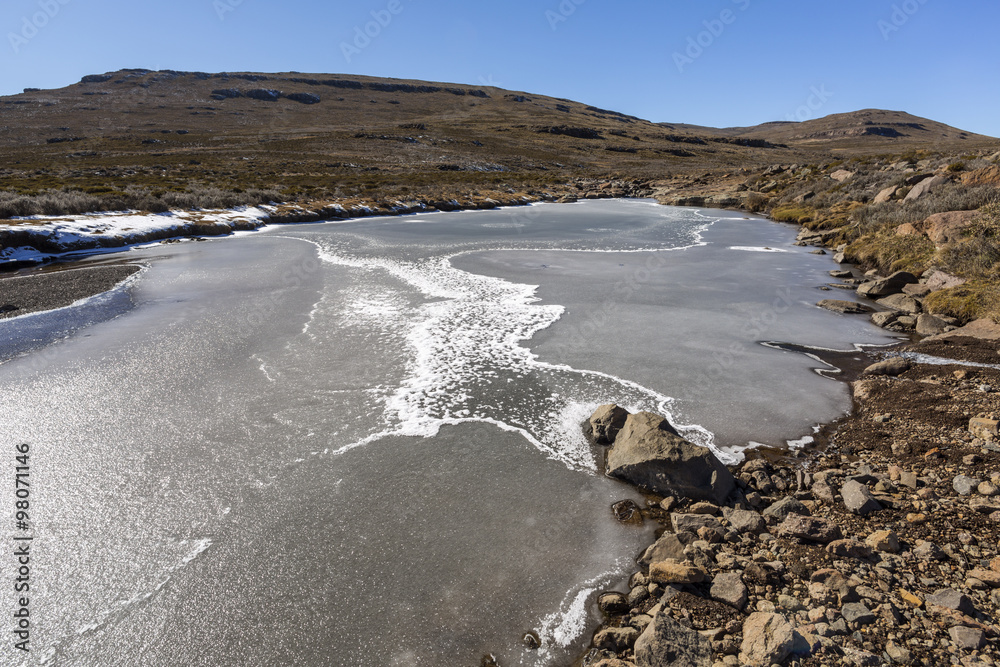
(21, 295)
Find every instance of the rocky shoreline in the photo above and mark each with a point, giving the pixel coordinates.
(881, 548)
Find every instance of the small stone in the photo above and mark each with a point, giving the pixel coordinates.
(668, 503)
(637, 596)
(784, 507)
(916, 519)
(949, 598)
(857, 613)
(728, 588)
(767, 639)
(884, 540)
(908, 479)
(890, 367)
(967, 639)
(745, 522)
(675, 572)
(704, 508)
(628, 512)
(810, 528)
(898, 654)
(845, 307)
(616, 639)
(988, 489)
(911, 598)
(964, 485)
(849, 549)
(858, 499)
(692, 522)
(928, 551)
(613, 603)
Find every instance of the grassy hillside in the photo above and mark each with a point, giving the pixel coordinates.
(158, 140)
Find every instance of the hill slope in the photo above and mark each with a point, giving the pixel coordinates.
(314, 136)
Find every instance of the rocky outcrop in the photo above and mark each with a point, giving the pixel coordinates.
(648, 453)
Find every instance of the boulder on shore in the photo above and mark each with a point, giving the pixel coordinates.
(846, 307)
(649, 453)
(874, 289)
(606, 421)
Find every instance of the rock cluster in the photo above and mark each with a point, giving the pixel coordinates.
(884, 549)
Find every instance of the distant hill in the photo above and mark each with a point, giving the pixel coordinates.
(859, 130)
(327, 134)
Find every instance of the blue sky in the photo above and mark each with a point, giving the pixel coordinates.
(715, 62)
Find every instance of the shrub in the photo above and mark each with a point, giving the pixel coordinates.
(890, 252)
(974, 300)
(792, 213)
(955, 167)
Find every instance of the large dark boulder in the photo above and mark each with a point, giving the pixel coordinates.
(880, 287)
(649, 453)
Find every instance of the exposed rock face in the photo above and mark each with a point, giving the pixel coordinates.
(666, 642)
(767, 640)
(947, 227)
(606, 421)
(648, 453)
(846, 307)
